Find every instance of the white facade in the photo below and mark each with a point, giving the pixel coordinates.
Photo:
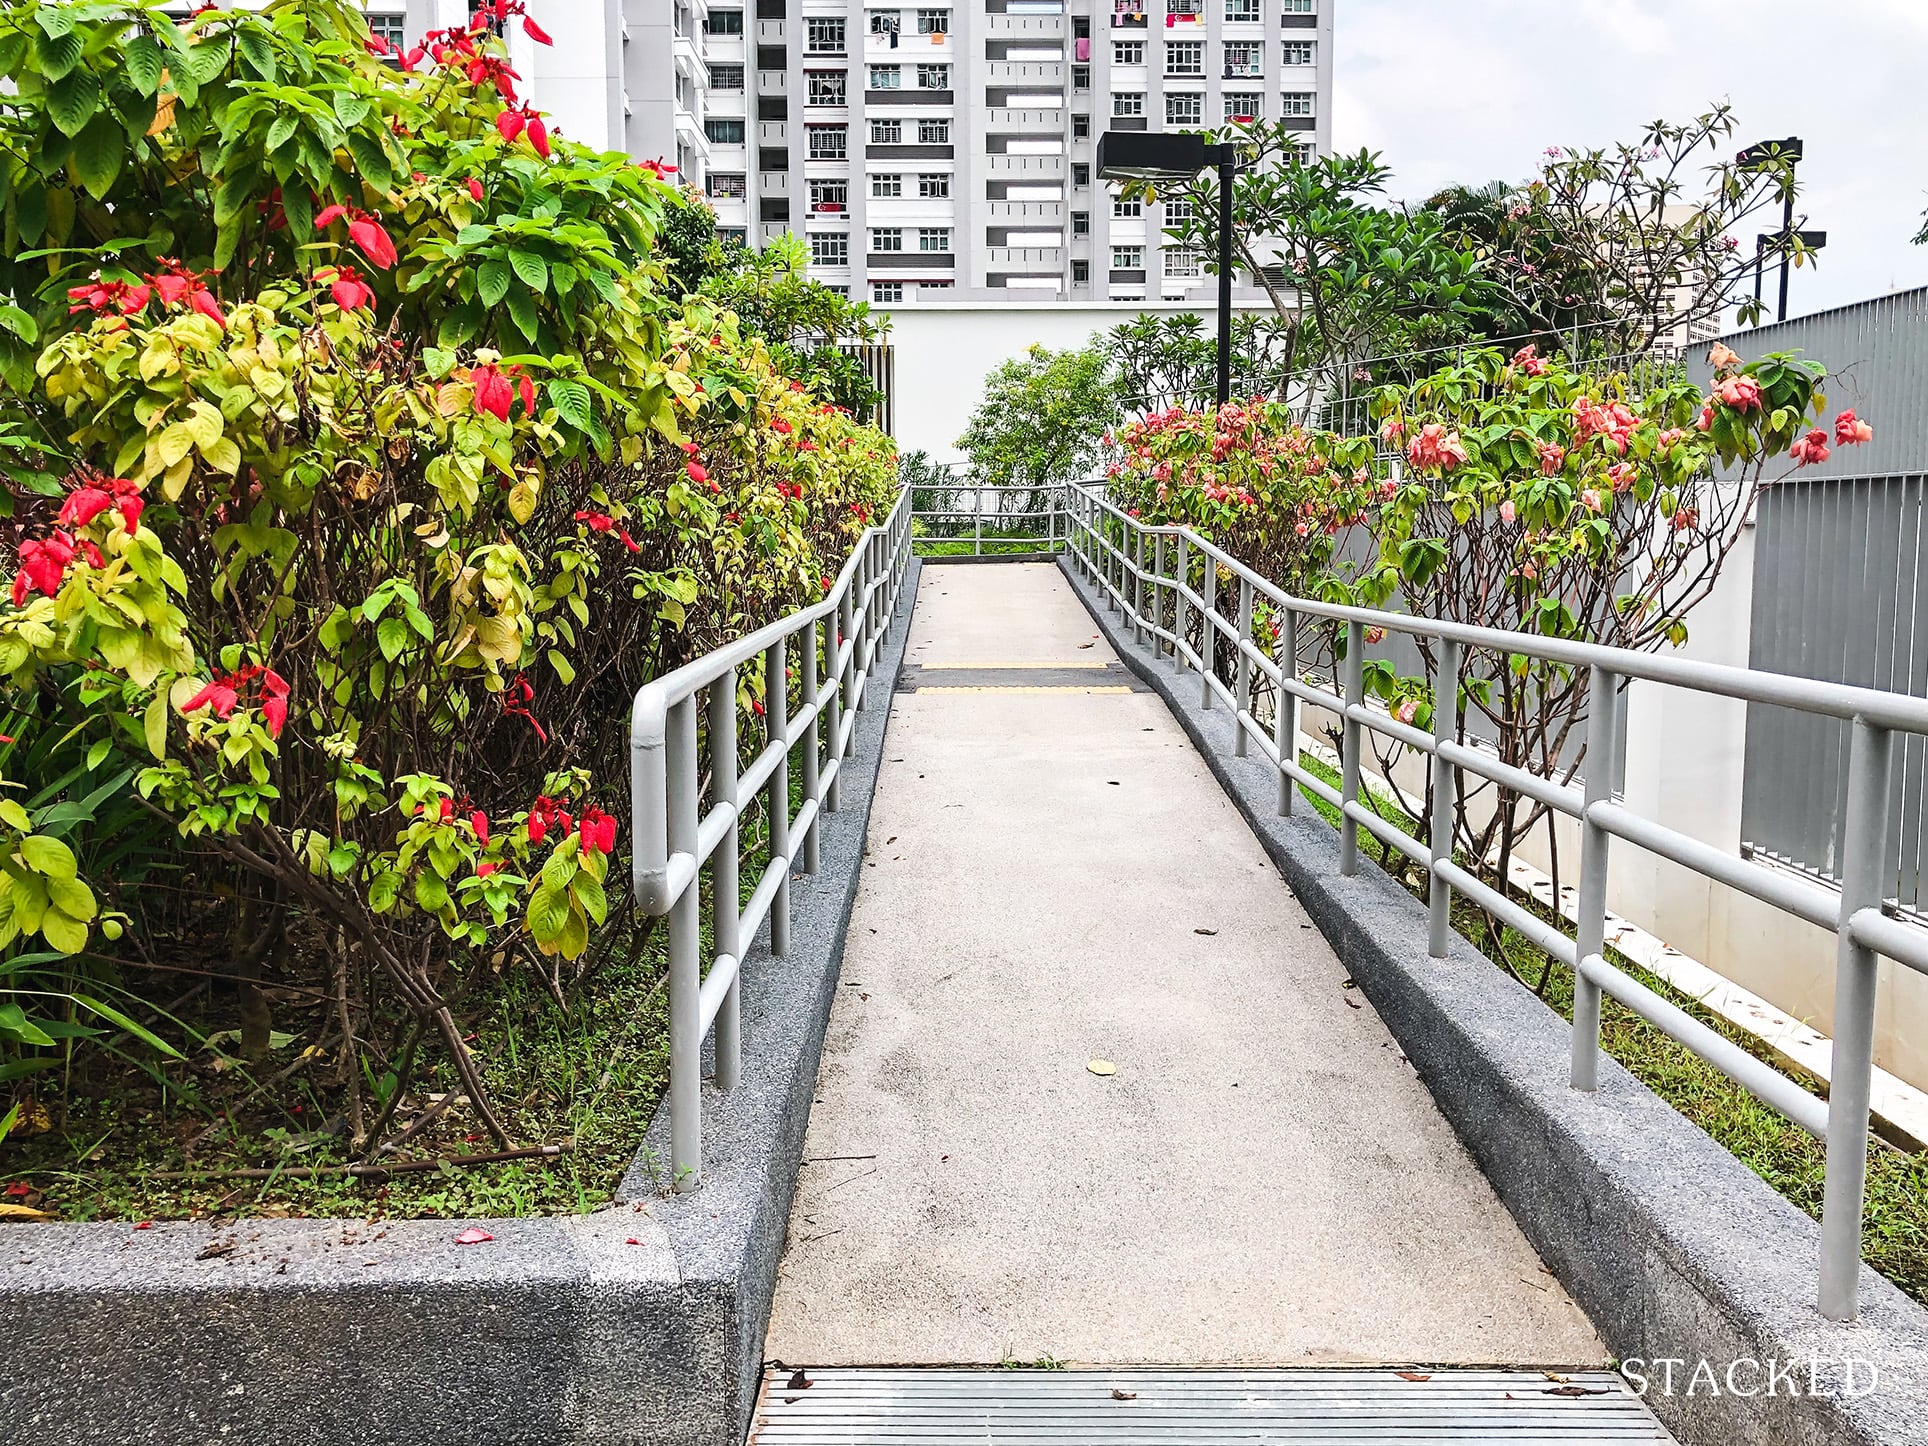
(928, 149)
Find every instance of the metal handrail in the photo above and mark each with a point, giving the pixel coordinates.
(1145, 572)
(673, 840)
(1050, 540)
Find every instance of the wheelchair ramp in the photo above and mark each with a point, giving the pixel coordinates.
(1152, 1406)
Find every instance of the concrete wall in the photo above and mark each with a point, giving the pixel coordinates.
(945, 349)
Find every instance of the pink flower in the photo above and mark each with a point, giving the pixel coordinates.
(1529, 360)
(494, 393)
(1508, 511)
(1850, 430)
(1620, 476)
(697, 472)
(1407, 709)
(1375, 634)
(1552, 458)
(1743, 394)
(1723, 357)
(1686, 519)
(43, 566)
(1811, 450)
(475, 189)
(1705, 422)
(474, 1235)
(1436, 447)
(346, 287)
(1590, 499)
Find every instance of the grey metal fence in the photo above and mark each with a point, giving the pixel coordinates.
(956, 515)
(677, 839)
(1840, 592)
(1161, 579)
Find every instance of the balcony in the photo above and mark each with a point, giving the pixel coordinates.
(1024, 27)
(1025, 168)
(1126, 17)
(773, 133)
(909, 95)
(1028, 212)
(686, 56)
(1024, 258)
(1122, 277)
(1029, 121)
(912, 260)
(772, 82)
(770, 31)
(773, 183)
(1021, 74)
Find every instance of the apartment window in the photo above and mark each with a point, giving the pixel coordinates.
(933, 77)
(1080, 127)
(826, 87)
(1302, 154)
(1080, 223)
(933, 22)
(1244, 105)
(1128, 102)
(1300, 7)
(933, 133)
(1244, 57)
(933, 187)
(827, 143)
(933, 238)
(1182, 263)
(1127, 210)
(1080, 272)
(1081, 27)
(1242, 12)
(829, 196)
(731, 185)
(1296, 103)
(1185, 57)
(829, 248)
(886, 132)
(886, 77)
(391, 27)
(886, 238)
(887, 291)
(1178, 213)
(885, 22)
(1081, 77)
(1080, 175)
(887, 187)
(733, 235)
(933, 286)
(1127, 258)
(1185, 110)
(723, 132)
(1127, 52)
(823, 35)
(723, 22)
(726, 77)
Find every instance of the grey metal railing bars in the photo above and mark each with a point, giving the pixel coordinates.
(833, 644)
(1146, 573)
(959, 509)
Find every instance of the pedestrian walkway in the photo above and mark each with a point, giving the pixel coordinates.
(1095, 1090)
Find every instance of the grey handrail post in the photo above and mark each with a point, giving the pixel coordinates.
(1158, 594)
(860, 624)
(1137, 585)
(1183, 572)
(836, 629)
(1864, 834)
(1439, 895)
(776, 726)
(685, 962)
(1590, 927)
(726, 899)
(1355, 696)
(977, 522)
(1242, 698)
(1285, 722)
(1207, 637)
(812, 743)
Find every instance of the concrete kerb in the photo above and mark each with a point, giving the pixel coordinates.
(1674, 1248)
(638, 1323)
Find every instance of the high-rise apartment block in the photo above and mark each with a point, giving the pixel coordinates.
(925, 148)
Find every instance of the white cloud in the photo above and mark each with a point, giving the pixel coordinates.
(1476, 91)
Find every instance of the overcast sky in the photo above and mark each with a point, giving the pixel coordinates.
(1474, 91)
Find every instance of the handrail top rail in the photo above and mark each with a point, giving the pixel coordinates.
(1884, 709)
(653, 699)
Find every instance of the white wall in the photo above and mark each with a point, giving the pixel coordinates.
(945, 349)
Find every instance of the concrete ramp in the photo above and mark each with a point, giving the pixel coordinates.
(1095, 1090)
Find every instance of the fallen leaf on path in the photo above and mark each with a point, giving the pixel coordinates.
(474, 1235)
(1101, 1066)
(1353, 1002)
(1413, 1375)
(798, 1381)
(24, 1212)
(1574, 1391)
(1118, 1395)
(1205, 931)
(215, 1249)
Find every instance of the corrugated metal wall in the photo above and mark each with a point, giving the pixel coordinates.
(1840, 588)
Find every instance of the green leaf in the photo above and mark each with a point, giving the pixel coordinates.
(57, 54)
(392, 634)
(98, 152)
(255, 49)
(431, 892)
(13, 319)
(64, 932)
(282, 131)
(14, 1021)
(48, 856)
(141, 61)
(522, 311)
(548, 915)
(72, 100)
(492, 281)
(438, 361)
(533, 270)
(371, 159)
(154, 726)
(565, 670)
(141, 1032)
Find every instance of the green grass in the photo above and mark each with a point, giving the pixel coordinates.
(1895, 1217)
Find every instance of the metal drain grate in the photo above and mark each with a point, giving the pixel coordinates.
(1153, 1406)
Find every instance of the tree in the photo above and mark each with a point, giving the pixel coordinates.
(1043, 418)
(1172, 361)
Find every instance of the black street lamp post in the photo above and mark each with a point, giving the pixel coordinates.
(1159, 156)
(1768, 156)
